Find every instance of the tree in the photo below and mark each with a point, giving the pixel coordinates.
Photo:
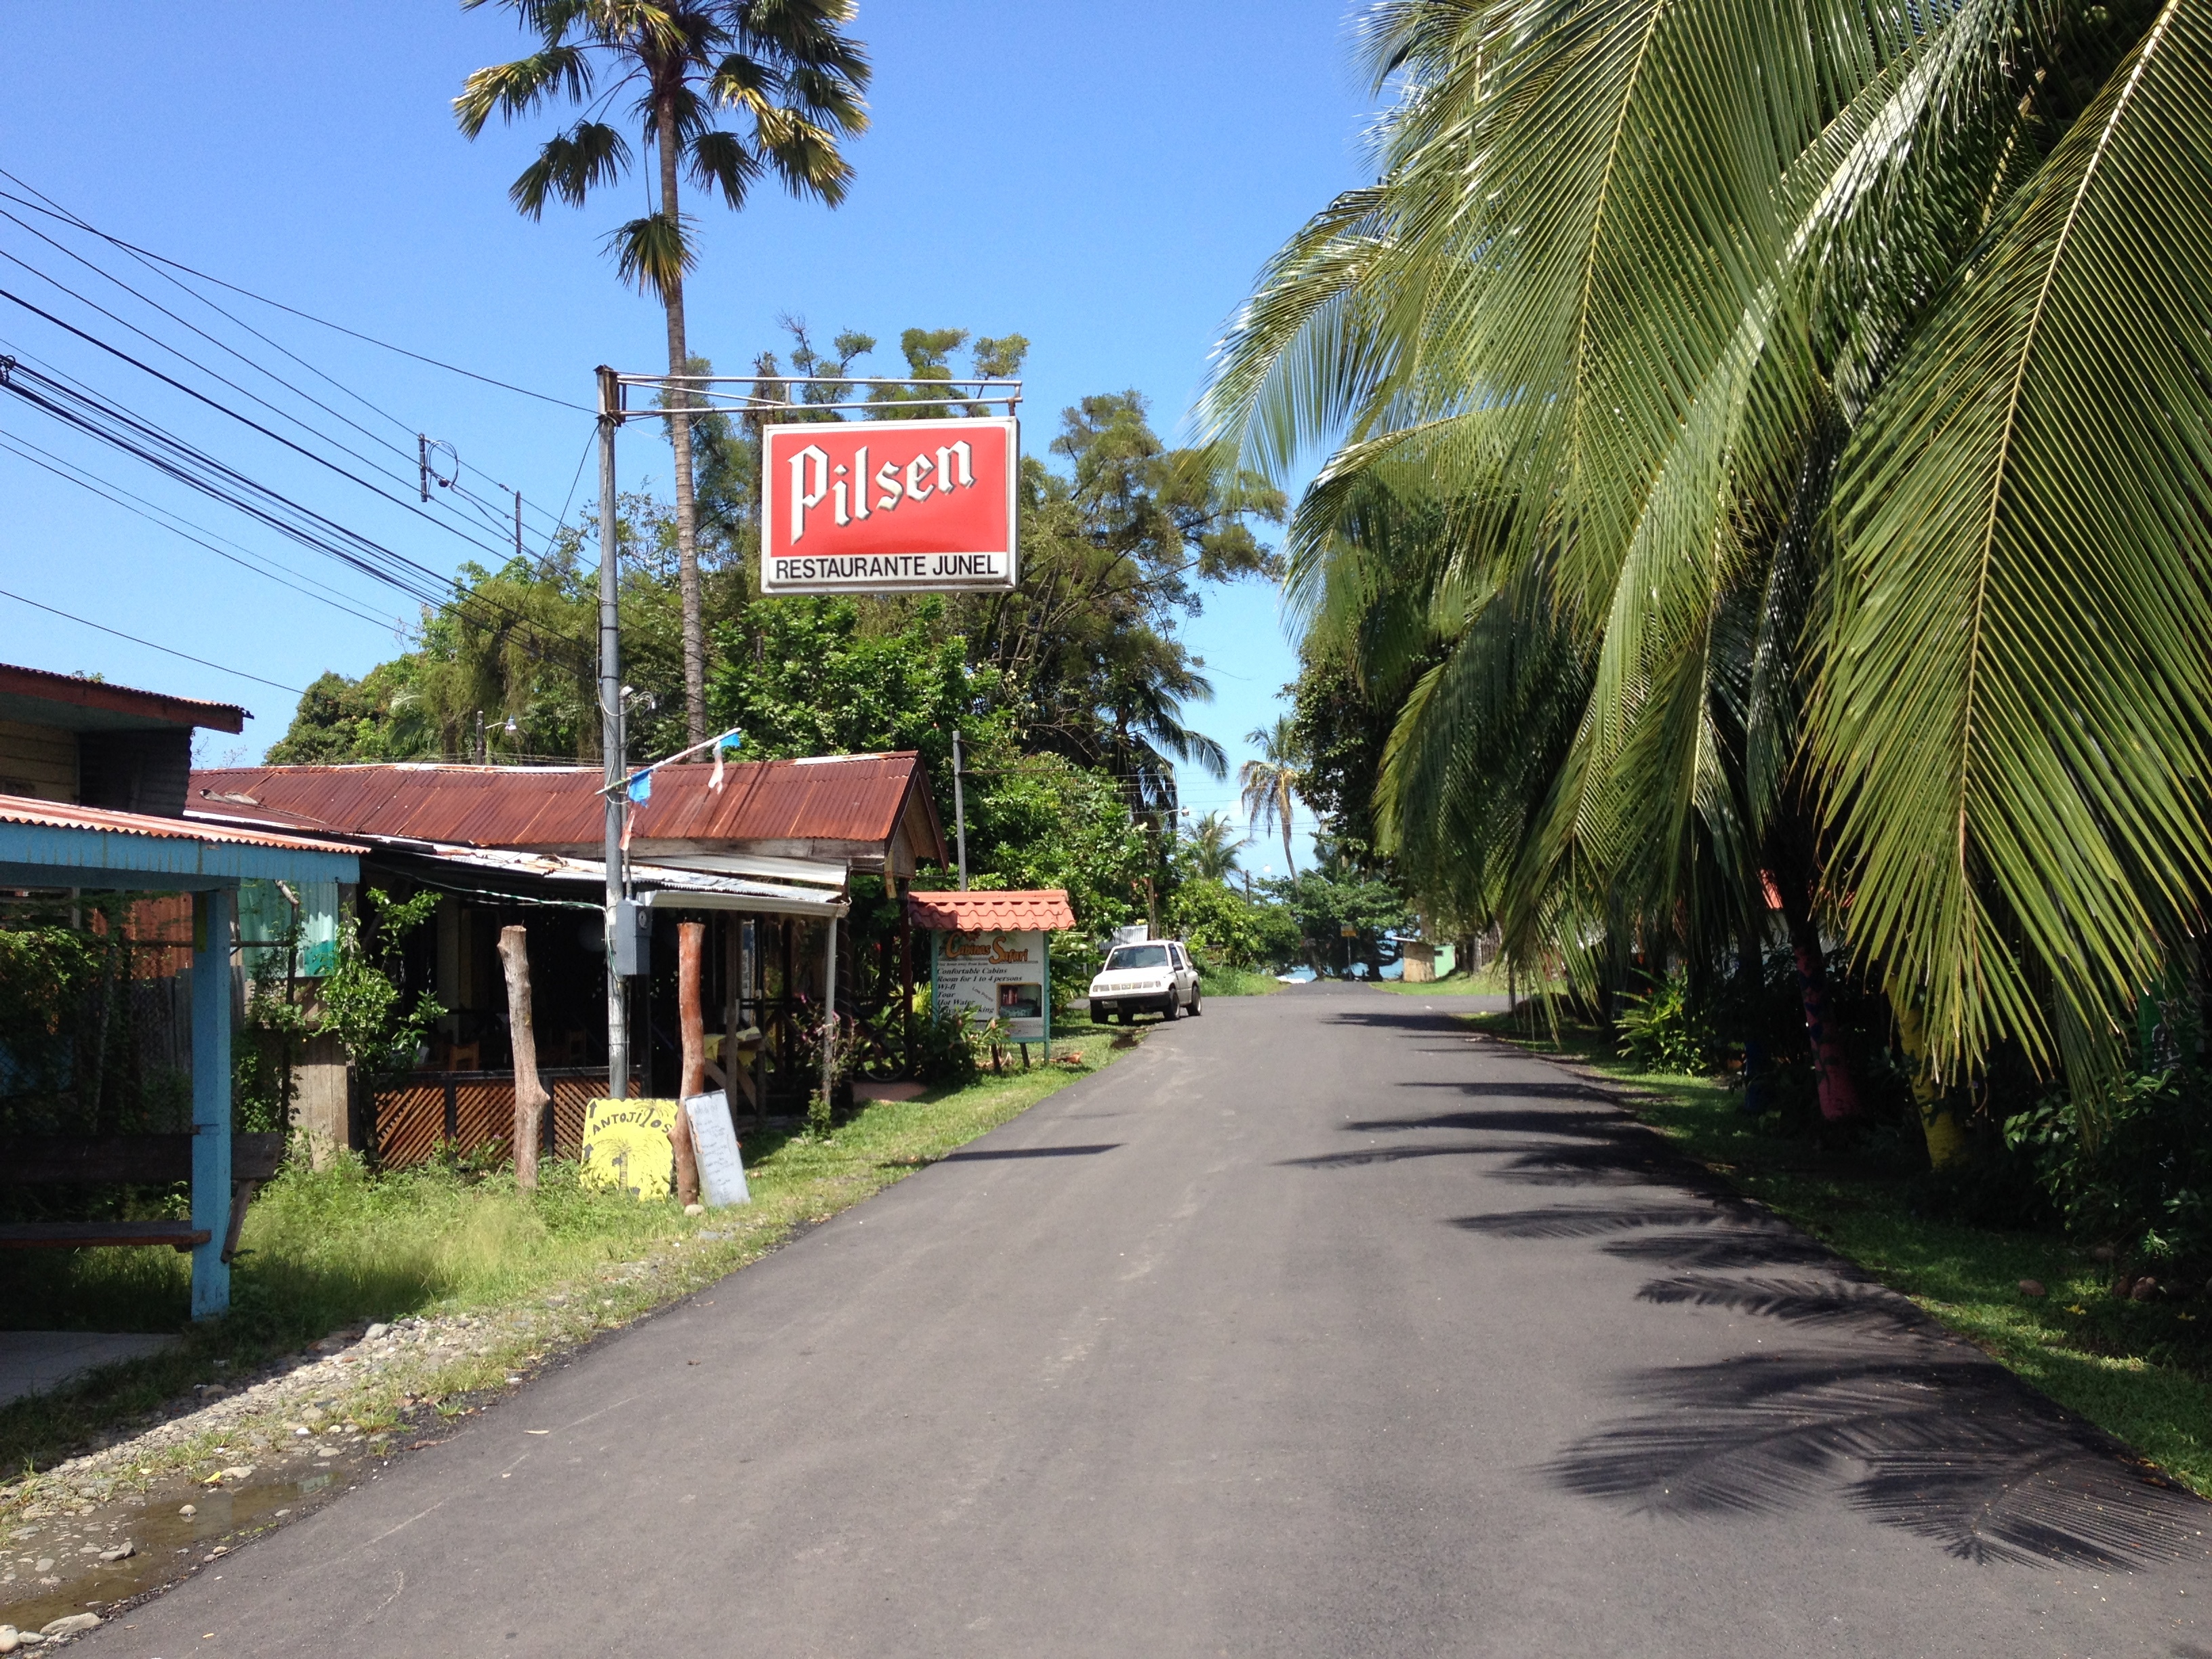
(1271, 784)
(1768, 418)
(784, 68)
(1210, 848)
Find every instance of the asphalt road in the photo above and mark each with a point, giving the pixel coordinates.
(1314, 1326)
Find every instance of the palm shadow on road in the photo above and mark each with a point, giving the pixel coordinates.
(1926, 1436)
(1954, 1451)
(1916, 1430)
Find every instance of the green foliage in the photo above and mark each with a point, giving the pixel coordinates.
(1744, 472)
(2145, 1184)
(361, 996)
(1324, 900)
(1225, 929)
(944, 1047)
(803, 676)
(1669, 1029)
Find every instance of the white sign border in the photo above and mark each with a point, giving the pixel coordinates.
(1012, 550)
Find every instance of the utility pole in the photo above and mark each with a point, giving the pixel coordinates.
(611, 730)
(959, 811)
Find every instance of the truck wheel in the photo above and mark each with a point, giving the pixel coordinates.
(1195, 1009)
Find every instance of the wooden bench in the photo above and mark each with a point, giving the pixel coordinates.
(133, 1160)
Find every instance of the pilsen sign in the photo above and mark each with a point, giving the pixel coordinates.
(888, 505)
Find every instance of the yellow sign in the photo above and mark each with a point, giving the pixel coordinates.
(627, 1148)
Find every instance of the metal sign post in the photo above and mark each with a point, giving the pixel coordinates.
(967, 467)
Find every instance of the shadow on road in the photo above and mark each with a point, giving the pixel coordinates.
(1885, 1408)
(1028, 1151)
(1956, 1451)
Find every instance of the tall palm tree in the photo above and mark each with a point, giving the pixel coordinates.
(1213, 845)
(1270, 785)
(784, 69)
(1777, 432)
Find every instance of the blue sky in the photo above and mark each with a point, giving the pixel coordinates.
(1105, 179)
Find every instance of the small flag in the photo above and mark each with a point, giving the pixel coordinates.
(629, 818)
(640, 787)
(727, 740)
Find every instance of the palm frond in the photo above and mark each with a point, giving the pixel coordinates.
(589, 154)
(653, 253)
(2014, 710)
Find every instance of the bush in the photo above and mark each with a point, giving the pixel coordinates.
(2144, 1184)
(945, 1048)
(1669, 1029)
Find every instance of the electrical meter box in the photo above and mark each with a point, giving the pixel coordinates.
(632, 939)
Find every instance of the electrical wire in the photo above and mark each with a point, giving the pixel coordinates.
(67, 217)
(166, 650)
(247, 420)
(260, 368)
(85, 410)
(108, 491)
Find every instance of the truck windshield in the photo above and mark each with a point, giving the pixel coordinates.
(1125, 957)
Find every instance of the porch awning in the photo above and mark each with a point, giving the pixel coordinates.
(45, 843)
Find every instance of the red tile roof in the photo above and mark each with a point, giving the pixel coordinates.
(61, 815)
(991, 912)
(859, 799)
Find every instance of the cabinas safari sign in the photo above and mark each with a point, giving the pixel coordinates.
(873, 507)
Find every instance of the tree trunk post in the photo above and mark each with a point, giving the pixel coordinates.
(530, 1096)
(690, 947)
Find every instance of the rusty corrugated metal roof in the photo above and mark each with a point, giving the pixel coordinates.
(859, 799)
(62, 815)
(124, 706)
(1015, 912)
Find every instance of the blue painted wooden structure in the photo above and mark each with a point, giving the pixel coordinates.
(52, 844)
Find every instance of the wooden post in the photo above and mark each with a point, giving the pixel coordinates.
(530, 1096)
(692, 1024)
(906, 985)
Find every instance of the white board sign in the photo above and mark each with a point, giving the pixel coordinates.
(1002, 976)
(714, 1145)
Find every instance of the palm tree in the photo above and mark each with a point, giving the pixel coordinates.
(1213, 845)
(1270, 785)
(786, 72)
(1767, 442)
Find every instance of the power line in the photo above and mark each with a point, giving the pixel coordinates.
(247, 420)
(222, 344)
(166, 650)
(85, 412)
(278, 305)
(108, 491)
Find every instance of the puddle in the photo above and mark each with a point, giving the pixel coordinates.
(168, 1545)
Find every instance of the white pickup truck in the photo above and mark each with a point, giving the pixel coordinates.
(1155, 977)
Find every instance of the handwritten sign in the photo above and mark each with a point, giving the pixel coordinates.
(1003, 976)
(715, 1143)
(627, 1148)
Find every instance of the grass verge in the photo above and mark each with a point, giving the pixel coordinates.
(1238, 983)
(2141, 1371)
(333, 1250)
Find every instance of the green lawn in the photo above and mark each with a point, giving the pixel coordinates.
(326, 1251)
(2142, 1372)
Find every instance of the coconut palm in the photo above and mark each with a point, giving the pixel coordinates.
(1270, 785)
(787, 73)
(1213, 845)
(1779, 431)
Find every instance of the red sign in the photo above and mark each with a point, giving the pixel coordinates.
(874, 506)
